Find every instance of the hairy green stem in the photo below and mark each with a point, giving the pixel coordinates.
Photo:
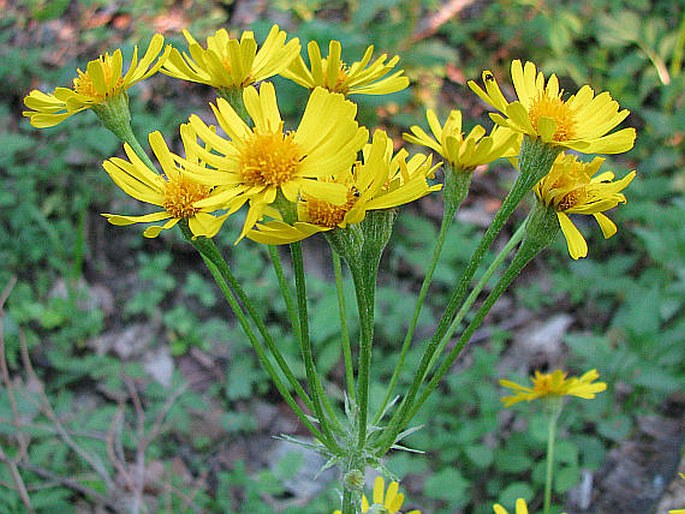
(285, 289)
(259, 350)
(475, 292)
(208, 249)
(541, 228)
(457, 187)
(348, 503)
(319, 398)
(344, 330)
(535, 161)
(364, 286)
(115, 115)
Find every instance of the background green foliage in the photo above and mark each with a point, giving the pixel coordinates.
(626, 300)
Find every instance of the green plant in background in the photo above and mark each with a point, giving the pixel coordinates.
(327, 177)
(636, 344)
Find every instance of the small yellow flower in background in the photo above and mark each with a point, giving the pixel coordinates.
(176, 192)
(391, 499)
(257, 164)
(228, 63)
(582, 122)
(521, 507)
(381, 181)
(678, 511)
(360, 78)
(101, 82)
(554, 384)
(575, 187)
(464, 152)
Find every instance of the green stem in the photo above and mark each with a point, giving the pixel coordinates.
(457, 187)
(319, 398)
(140, 152)
(344, 330)
(285, 289)
(348, 503)
(115, 115)
(259, 350)
(553, 414)
(541, 228)
(466, 306)
(208, 249)
(364, 285)
(535, 161)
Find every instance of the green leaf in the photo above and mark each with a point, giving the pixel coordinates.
(449, 485)
(566, 478)
(481, 455)
(512, 492)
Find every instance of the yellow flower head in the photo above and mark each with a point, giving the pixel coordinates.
(574, 187)
(554, 384)
(521, 507)
(582, 122)
(228, 63)
(177, 192)
(391, 500)
(256, 164)
(464, 152)
(381, 181)
(360, 78)
(102, 81)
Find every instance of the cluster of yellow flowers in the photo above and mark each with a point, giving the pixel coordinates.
(312, 176)
(330, 171)
(581, 123)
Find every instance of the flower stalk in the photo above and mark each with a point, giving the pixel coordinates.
(554, 405)
(535, 161)
(457, 183)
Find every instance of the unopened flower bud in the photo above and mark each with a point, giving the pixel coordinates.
(354, 480)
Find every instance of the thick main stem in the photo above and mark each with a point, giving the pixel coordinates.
(364, 285)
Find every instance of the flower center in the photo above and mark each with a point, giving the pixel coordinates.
(325, 214)
(556, 109)
(180, 194)
(84, 85)
(340, 80)
(269, 159)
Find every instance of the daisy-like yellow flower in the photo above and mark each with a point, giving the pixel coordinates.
(360, 78)
(381, 181)
(464, 152)
(101, 83)
(575, 187)
(581, 122)
(391, 500)
(256, 164)
(554, 384)
(177, 193)
(228, 63)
